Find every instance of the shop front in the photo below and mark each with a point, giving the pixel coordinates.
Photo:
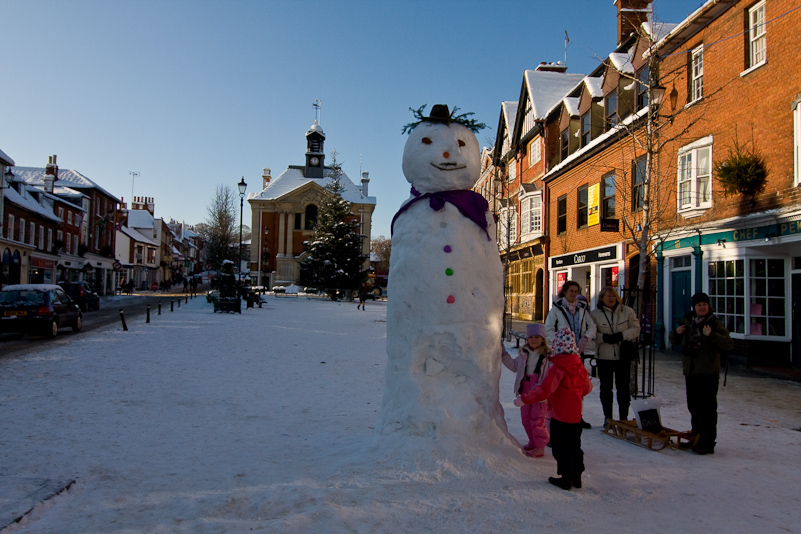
(753, 279)
(14, 260)
(42, 268)
(592, 269)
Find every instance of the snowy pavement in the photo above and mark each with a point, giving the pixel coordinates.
(201, 422)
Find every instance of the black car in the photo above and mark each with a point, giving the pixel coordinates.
(82, 294)
(38, 309)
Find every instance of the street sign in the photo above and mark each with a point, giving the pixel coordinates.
(610, 225)
(209, 266)
(117, 266)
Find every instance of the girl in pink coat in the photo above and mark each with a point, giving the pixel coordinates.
(531, 365)
(565, 387)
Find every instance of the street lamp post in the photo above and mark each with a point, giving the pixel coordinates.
(242, 187)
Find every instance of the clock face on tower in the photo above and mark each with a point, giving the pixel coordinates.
(314, 161)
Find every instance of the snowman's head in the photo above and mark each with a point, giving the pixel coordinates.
(441, 156)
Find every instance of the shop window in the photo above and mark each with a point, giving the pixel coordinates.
(561, 215)
(727, 293)
(582, 207)
(767, 297)
(608, 197)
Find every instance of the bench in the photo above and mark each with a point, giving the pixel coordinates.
(517, 335)
(230, 305)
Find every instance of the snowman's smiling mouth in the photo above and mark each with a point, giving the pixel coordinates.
(448, 166)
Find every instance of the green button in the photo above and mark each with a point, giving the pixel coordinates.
(449, 271)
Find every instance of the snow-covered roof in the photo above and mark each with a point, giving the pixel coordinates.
(140, 219)
(572, 105)
(26, 202)
(66, 178)
(509, 109)
(658, 30)
(594, 86)
(136, 236)
(56, 198)
(316, 128)
(546, 89)
(6, 159)
(293, 179)
(622, 62)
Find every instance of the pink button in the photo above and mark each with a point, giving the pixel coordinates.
(451, 300)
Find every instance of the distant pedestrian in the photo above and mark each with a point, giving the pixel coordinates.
(362, 296)
(564, 387)
(704, 337)
(185, 285)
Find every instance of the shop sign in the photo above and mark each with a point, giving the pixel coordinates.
(588, 256)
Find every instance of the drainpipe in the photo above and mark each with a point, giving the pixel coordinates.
(659, 335)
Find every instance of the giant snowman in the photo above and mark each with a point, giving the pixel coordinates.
(444, 317)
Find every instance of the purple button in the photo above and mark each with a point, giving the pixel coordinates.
(447, 248)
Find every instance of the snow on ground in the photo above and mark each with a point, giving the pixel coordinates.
(203, 422)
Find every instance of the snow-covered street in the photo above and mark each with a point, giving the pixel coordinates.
(203, 422)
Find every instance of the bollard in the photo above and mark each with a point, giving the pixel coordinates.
(179, 302)
(159, 307)
(187, 300)
(122, 318)
(147, 318)
(171, 305)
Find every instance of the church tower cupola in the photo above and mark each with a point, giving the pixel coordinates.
(315, 152)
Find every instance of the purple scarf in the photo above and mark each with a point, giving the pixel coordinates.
(469, 203)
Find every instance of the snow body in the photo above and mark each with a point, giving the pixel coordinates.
(444, 316)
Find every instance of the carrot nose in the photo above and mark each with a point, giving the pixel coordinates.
(446, 154)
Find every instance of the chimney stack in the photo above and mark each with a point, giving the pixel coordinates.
(630, 16)
(365, 182)
(552, 67)
(265, 176)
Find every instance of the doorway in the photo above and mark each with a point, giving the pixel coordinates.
(796, 319)
(680, 297)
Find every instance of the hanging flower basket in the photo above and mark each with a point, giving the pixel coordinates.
(744, 172)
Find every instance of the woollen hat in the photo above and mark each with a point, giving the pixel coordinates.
(535, 329)
(699, 297)
(564, 342)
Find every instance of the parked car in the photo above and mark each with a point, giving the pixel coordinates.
(83, 294)
(37, 309)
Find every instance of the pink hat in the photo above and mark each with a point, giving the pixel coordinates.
(564, 342)
(535, 329)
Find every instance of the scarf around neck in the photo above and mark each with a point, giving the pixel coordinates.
(469, 203)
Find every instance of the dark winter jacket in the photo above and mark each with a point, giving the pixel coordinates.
(702, 353)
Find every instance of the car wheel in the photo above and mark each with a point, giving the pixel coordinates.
(52, 330)
(78, 324)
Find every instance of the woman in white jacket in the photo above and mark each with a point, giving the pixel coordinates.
(615, 322)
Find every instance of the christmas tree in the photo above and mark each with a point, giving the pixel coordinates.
(334, 256)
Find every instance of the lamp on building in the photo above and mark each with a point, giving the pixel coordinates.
(242, 187)
(8, 177)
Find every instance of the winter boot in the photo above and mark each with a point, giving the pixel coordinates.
(577, 481)
(537, 452)
(561, 482)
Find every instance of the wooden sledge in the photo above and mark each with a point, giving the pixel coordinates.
(667, 438)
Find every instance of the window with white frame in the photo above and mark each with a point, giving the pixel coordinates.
(697, 74)
(22, 230)
(797, 142)
(531, 214)
(60, 213)
(69, 217)
(68, 244)
(41, 237)
(10, 233)
(757, 45)
(535, 151)
(75, 244)
(727, 293)
(695, 178)
(50, 239)
(32, 234)
(507, 224)
(512, 169)
(586, 129)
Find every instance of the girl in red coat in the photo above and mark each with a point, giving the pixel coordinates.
(565, 386)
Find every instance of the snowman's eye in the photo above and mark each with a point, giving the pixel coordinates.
(461, 143)
(426, 141)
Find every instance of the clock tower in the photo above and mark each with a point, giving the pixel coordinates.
(315, 153)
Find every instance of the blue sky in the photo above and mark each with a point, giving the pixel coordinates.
(192, 94)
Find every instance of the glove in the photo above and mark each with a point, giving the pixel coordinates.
(519, 402)
(581, 344)
(609, 338)
(618, 337)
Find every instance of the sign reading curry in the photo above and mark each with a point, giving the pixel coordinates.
(587, 256)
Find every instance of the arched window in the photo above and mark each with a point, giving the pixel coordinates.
(311, 217)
